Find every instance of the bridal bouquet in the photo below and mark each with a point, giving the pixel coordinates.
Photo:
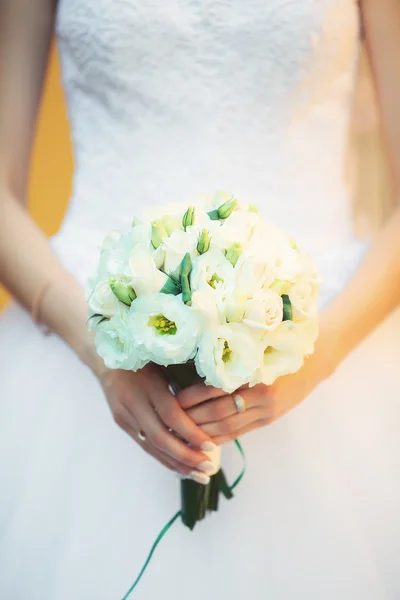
(208, 290)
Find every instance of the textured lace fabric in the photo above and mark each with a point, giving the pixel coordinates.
(174, 98)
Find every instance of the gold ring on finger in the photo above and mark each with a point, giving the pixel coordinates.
(142, 436)
(239, 403)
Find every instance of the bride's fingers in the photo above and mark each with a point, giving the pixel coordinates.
(218, 409)
(232, 425)
(224, 439)
(158, 435)
(162, 458)
(195, 394)
(166, 460)
(175, 418)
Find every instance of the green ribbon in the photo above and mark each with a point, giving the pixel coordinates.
(176, 516)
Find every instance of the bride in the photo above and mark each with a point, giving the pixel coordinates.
(166, 100)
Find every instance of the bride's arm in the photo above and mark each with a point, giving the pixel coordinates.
(26, 261)
(374, 290)
(27, 264)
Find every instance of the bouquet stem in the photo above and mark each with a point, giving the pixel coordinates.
(197, 499)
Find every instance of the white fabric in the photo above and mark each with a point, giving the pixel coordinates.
(169, 99)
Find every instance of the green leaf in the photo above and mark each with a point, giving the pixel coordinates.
(103, 319)
(223, 485)
(98, 316)
(213, 214)
(94, 316)
(287, 308)
(171, 286)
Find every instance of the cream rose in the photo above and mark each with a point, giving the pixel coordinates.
(264, 311)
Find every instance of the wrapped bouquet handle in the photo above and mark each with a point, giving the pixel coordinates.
(198, 499)
(226, 489)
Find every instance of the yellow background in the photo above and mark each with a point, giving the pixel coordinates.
(50, 178)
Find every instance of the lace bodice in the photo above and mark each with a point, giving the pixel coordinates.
(173, 98)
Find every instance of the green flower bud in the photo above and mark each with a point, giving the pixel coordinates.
(124, 292)
(170, 224)
(184, 273)
(227, 208)
(226, 202)
(188, 217)
(233, 253)
(203, 245)
(287, 308)
(158, 232)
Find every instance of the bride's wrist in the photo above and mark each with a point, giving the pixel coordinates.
(88, 355)
(328, 345)
(64, 310)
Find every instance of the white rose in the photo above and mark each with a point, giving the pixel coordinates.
(116, 260)
(271, 245)
(228, 356)
(234, 306)
(304, 298)
(287, 266)
(102, 301)
(266, 240)
(115, 344)
(144, 276)
(141, 233)
(277, 363)
(164, 329)
(117, 257)
(264, 311)
(252, 275)
(209, 308)
(236, 229)
(110, 240)
(213, 270)
(297, 338)
(175, 247)
(309, 271)
(284, 349)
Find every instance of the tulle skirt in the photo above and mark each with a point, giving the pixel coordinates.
(316, 516)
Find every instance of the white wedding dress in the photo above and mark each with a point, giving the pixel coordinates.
(170, 98)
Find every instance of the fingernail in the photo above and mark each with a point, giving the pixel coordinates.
(208, 446)
(206, 466)
(199, 477)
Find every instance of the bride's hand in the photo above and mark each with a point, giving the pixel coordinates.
(143, 406)
(217, 413)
